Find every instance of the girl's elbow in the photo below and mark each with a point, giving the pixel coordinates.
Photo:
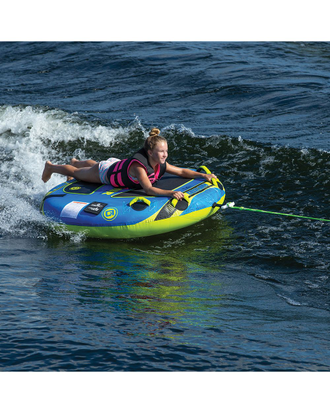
(149, 191)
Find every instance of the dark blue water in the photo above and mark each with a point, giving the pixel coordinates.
(241, 291)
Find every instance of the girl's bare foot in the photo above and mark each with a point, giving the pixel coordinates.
(47, 173)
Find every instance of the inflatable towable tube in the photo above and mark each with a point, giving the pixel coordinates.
(102, 211)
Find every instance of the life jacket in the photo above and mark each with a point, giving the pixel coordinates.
(118, 172)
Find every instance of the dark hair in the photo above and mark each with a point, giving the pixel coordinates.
(153, 139)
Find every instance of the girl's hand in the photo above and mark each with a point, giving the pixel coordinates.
(178, 195)
(208, 177)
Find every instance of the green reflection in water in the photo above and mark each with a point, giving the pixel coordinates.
(159, 282)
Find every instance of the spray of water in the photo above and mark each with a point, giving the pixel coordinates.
(28, 137)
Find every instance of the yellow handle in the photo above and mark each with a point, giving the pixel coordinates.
(140, 199)
(205, 169)
(215, 181)
(174, 201)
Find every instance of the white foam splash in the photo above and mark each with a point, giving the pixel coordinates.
(28, 137)
(173, 128)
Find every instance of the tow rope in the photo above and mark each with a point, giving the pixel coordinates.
(232, 205)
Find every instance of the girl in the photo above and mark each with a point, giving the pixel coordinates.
(141, 170)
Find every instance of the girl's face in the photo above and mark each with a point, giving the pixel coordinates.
(160, 152)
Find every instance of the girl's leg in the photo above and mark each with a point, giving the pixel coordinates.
(80, 164)
(88, 174)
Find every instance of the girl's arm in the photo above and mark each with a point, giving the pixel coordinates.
(141, 175)
(188, 173)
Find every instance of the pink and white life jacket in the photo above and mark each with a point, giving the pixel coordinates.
(118, 172)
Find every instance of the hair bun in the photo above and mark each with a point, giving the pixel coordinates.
(153, 139)
(154, 132)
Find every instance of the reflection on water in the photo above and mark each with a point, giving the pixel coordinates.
(152, 285)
